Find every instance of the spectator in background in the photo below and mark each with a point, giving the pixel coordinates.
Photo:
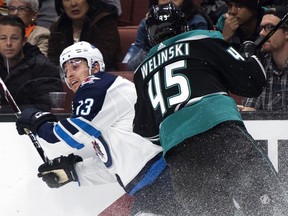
(85, 20)
(27, 10)
(214, 8)
(241, 22)
(47, 13)
(275, 96)
(194, 15)
(28, 74)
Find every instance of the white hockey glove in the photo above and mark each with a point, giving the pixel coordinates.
(60, 171)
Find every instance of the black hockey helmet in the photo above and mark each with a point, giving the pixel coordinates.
(164, 21)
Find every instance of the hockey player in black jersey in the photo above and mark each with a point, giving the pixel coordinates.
(182, 87)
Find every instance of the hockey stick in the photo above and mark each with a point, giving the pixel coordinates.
(260, 41)
(17, 112)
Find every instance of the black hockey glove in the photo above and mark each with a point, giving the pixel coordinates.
(32, 119)
(60, 171)
(247, 49)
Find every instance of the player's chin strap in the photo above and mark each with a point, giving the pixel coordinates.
(17, 112)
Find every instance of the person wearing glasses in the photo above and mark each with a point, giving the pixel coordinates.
(27, 10)
(275, 95)
(240, 23)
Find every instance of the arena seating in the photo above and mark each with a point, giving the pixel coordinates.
(133, 11)
(127, 37)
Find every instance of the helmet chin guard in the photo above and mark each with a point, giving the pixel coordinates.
(165, 21)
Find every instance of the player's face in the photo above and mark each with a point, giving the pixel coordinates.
(242, 13)
(277, 41)
(76, 71)
(75, 9)
(22, 10)
(11, 42)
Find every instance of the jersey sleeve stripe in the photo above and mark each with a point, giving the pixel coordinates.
(86, 127)
(68, 126)
(67, 138)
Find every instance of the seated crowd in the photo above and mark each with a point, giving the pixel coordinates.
(96, 22)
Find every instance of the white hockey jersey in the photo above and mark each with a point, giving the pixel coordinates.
(102, 116)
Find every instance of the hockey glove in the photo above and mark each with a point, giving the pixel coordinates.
(60, 171)
(32, 119)
(247, 49)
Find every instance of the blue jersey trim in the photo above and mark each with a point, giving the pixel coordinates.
(68, 126)
(155, 170)
(67, 139)
(86, 127)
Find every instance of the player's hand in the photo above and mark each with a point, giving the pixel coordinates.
(59, 171)
(230, 27)
(247, 49)
(32, 119)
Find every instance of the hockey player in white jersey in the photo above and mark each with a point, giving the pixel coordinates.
(102, 116)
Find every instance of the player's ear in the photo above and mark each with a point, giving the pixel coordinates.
(96, 67)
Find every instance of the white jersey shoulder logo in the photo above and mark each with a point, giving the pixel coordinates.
(89, 80)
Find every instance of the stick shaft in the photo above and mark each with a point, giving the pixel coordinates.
(17, 112)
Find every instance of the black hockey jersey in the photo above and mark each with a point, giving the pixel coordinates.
(195, 71)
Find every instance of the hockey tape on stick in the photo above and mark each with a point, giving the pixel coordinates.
(260, 41)
(17, 112)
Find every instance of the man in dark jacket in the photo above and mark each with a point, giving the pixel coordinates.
(27, 73)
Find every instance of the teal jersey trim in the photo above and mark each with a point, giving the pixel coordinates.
(197, 118)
